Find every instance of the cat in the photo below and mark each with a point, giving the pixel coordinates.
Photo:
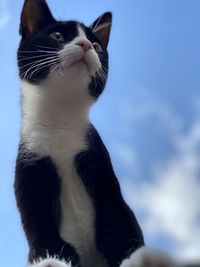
(69, 198)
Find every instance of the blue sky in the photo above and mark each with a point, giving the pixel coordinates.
(148, 117)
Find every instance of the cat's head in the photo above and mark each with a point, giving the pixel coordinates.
(65, 51)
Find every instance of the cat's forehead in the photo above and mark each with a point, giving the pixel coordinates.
(71, 29)
(68, 27)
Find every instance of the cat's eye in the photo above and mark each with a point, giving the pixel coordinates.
(57, 36)
(97, 47)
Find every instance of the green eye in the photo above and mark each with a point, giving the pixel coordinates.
(57, 36)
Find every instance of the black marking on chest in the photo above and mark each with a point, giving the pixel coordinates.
(117, 231)
(37, 190)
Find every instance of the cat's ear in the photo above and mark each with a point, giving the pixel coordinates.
(35, 15)
(101, 27)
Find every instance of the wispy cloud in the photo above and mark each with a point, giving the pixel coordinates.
(167, 201)
(171, 200)
(4, 14)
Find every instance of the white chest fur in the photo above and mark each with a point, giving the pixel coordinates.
(58, 132)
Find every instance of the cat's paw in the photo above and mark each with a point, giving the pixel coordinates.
(50, 262)
(147, 258)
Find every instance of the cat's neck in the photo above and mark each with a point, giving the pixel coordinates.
(47, 107)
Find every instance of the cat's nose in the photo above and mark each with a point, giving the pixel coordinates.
(85, 45)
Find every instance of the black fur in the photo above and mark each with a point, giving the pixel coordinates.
(35, 16)
(117, 231)
(37, 190)
(36, 45)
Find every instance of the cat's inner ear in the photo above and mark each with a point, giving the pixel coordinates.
(35, 16)
(101, 27)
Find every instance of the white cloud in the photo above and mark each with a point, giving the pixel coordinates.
(4, 14)
(168, 202)
(171, 201)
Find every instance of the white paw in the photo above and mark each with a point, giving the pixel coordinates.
(50, 262)
(147, 258)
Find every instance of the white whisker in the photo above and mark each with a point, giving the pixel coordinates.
(41, 66)
(33, 57)
(36, 65)
(37, 61)
(38, 51)
(48, 47)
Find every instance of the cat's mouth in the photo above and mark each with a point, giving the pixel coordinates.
(80, 58)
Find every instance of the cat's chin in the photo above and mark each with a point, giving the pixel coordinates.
(85, 65)
(87, 62)
(80, 66)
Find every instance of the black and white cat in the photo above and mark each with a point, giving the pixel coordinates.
(69, 198)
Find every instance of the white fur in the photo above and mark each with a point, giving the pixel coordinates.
(91, 57)
(55, 121)
(72, 54)
(54, 127)
(50, 262)
(144, 257)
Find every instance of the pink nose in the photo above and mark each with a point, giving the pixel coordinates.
(85, 44)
